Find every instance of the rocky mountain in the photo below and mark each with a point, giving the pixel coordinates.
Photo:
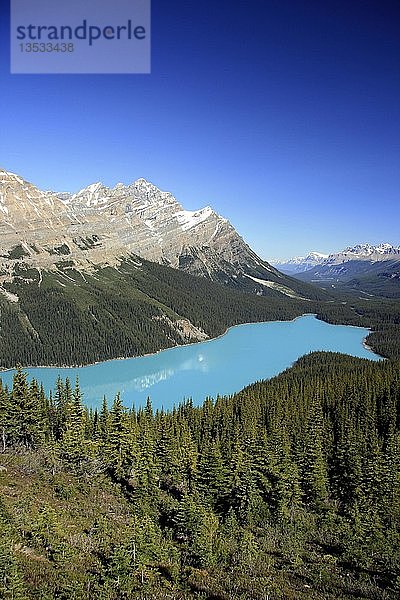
(100, 226)
(369, 269)
(298, 264)
(87, 276)
(366, 252)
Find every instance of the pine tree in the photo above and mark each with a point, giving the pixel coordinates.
(241, 483)
(167, 451)
(74, 432)
(212, 478)
(104, 421)
(24, 411)
(5, 416)
(118, 446)
(346, 472)
(187, 456)
(146, 472)
(314, 477)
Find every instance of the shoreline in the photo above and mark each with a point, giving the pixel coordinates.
(211, 339)
(364, 343)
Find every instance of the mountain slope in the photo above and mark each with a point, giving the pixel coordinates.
(209, 502)
(100, 226)
(67, 316)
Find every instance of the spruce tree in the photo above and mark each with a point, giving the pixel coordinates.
(118, 445)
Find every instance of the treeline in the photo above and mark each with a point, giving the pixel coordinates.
(381, 315)
(289, 489)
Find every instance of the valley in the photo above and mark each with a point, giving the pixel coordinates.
(361, 269)
(223, 488)
(135, 273)
(182, 416)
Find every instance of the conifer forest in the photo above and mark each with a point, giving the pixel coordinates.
(287, 489)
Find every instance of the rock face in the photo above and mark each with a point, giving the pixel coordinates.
(25, 210)
(100, 225)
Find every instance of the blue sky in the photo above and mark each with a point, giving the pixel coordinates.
(283, 115)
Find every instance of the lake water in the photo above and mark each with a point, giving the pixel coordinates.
(225, 365)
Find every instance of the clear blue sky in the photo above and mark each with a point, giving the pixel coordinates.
(283, 115)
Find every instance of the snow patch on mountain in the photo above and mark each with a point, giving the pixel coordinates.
(283, 289)
(188, 219)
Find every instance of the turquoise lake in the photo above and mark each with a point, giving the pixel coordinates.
(225, 365)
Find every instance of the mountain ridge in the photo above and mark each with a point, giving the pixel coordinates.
(299, 263)
(100, 226)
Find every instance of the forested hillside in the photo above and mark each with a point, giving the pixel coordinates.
(288, 490)
(68, 317)
(127, 311)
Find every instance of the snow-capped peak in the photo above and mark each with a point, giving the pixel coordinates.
(311, 258)
(92, 195)
(316, 255)
(367, 249)
(90, 189)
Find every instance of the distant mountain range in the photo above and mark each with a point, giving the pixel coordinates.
(298, 264)
(365, 268)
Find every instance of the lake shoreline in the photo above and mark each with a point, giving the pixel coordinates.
(211, 339)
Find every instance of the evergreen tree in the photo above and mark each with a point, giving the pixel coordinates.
(24, 411)
(118, 445)
(5, 416)
(314, 476)
(74, 429)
